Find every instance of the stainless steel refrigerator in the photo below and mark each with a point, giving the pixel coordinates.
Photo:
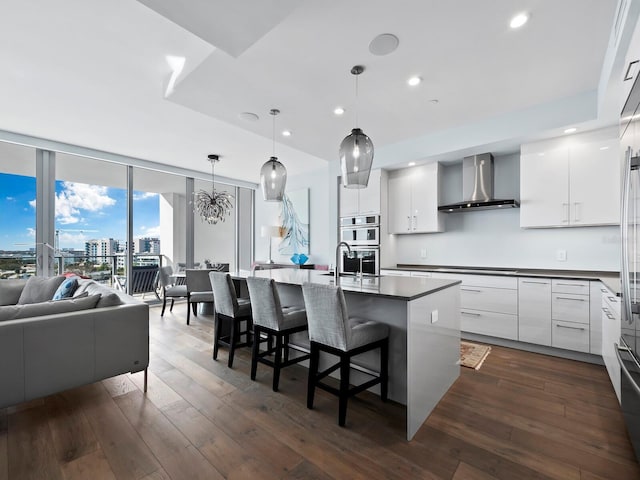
(627, 350)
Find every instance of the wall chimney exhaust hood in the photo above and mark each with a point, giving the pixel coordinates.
(477, 187)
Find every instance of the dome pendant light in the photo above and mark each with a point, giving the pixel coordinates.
(356, 151)
(273, 175)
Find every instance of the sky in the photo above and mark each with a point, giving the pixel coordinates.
(83, 212)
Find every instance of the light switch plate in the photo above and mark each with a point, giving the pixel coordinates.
(561, 255)
(423, 253)
(434, 316)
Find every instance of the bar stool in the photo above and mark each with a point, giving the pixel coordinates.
(231, 310)
(332, 331)
(274, 320)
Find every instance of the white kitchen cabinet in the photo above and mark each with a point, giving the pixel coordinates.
(570, 315)
(362, 201)
(421, 274)
(494, 324)
(611, 329)
(534, 307)
(572, 181)
(595, 317)
(414, 195)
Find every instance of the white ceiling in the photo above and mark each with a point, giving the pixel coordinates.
(93, 73)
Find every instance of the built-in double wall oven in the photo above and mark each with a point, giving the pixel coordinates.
(363, 236)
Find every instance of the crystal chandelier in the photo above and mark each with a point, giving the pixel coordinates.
(213, 207)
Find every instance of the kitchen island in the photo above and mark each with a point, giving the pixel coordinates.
(423, 315)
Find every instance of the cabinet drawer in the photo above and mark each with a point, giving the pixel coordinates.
(490, 281)
(395, 273)
(570, 308)
(489, 299)
(612, 302)
(570, 336)
(421, 274)
(579, 287)
(534, 308)
(489, 323)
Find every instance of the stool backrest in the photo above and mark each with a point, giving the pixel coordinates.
(326, 314)
(164, 275)
(225, 293)
(265, 302)
(197, 280)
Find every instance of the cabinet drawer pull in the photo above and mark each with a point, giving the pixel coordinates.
(610, 317)
(571, 284)
(605, 310)
(569, 298)
(537, 283)
(628, 75)
(470, 290)
(570, 328)
(472, 314)
(613, 299)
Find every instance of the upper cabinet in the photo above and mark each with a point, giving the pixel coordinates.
(362, 201)
(571, 181)
(414, 195)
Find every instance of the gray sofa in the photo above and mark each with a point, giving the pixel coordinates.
(45, 354)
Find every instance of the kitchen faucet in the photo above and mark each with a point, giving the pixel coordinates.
(336, 272)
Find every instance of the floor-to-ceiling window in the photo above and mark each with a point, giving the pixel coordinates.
(90, 216)
(17, 211)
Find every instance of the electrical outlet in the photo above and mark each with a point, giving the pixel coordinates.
(561, 255)
(434, 316)
(423, 253)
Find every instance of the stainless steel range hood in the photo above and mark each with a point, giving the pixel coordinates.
(477, 187)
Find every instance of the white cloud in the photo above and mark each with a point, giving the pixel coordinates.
(80, 196)
(144, 195)
(11, 199)
(149, 232)
(72, 240)
(31, 232)
(33, 203)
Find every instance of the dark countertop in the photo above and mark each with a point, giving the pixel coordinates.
(399, 288)
(610, 279)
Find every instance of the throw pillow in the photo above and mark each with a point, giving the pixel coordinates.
(66, 289)
(10, 291)
(14, 312)
(109, 300)
(39, 289)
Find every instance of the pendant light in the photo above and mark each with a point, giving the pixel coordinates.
(213, 207)
(356, 151)
(273, 175)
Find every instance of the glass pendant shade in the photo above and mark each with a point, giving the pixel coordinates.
(273, 178)
(356, 158)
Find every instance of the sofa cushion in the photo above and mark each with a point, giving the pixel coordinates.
(66, 288)
(10, 291)
(14, 312)
(39, 289)
(109, 297)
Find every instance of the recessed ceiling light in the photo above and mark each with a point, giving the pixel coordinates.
(338, 111)
(604, 148)
(411, 164)
(384, 44)
(541, 154)
(434, 101)
(286, 133)
(570, 130)
(413, 81)
(248, 116)
(519, 20)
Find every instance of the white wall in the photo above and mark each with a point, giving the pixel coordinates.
(493, 238)
(322, 217)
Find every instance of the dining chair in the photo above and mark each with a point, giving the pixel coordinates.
(198, 290)
(168, 289)
(275, 321)
(331, 330)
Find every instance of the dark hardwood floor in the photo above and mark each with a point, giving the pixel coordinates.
(521, 416)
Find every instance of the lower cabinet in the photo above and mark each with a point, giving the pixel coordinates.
(570, 315)
(534, 307)
(611, 329)
(570, 336)
(494, 324)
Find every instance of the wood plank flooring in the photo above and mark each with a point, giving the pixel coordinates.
(521, 416)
